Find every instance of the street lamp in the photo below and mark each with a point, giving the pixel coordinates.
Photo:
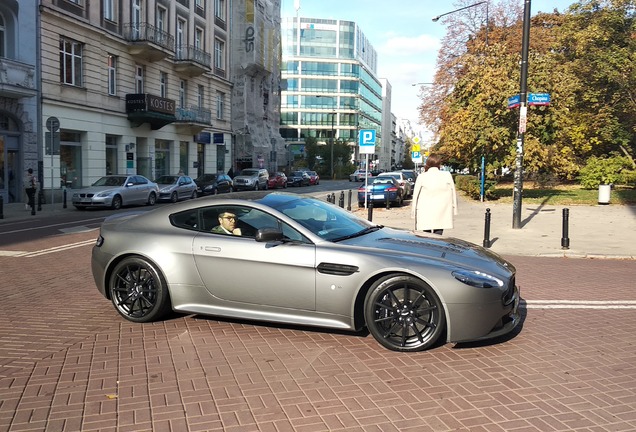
(333, 116)
(435, 19)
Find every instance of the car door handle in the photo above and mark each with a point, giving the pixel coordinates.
(212, 249)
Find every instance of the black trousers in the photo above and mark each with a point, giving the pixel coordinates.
(435, 231)
(31, 196)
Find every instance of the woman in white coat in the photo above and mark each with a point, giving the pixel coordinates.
(434, 201)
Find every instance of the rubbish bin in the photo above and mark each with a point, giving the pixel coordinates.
(604, 193)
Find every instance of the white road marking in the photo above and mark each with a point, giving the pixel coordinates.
(22, 254)
(580, 304)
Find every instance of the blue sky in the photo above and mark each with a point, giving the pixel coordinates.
(404, 36)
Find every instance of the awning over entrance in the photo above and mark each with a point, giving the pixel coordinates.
(147, 108)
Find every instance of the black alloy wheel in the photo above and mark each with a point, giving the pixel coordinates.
(138, 291)
(174, 197)
(404, 313)
(152, 199)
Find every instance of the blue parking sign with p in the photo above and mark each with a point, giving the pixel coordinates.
(367, 141)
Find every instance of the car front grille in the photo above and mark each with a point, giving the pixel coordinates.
(85, 195)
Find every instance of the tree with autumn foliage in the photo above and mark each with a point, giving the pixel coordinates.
(584, 58)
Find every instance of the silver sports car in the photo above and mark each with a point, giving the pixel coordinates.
(288, 258)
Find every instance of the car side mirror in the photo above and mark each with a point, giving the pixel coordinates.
(268, 235)
(129, 184)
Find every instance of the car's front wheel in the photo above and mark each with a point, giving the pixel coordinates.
(174, 197)
(195, 194)
(138, 291)
(152, 199)
(404, 313)
(116, 203)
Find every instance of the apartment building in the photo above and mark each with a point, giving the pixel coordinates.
(134, 86)
(332, 89)
(19, 120)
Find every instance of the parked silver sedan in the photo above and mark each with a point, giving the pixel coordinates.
(115, 191)
(294, 259)
(176, 187)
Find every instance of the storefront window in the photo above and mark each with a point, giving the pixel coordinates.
(111, 155)
(162, 158)
(70, 160)
(183, 157)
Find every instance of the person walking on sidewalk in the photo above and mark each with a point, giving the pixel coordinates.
(434, 201)
(30, 187)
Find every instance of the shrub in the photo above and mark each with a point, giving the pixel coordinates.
(599, 171)
(471, 185)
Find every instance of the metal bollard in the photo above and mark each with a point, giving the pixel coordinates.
(1, 207)
(387, 202)
(487, 229)
(341, 199)
(40, 199)
(370, 211)
(565, 240)
(349, 201)
(64, 205)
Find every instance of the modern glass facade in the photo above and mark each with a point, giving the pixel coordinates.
(329, 68)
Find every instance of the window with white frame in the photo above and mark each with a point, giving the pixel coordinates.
(219, 9)
(200, 4)
(109, 9)
(198, 38)
(220, 103)
(163, 84)
(183, 87)
(139, 79)
(181, 39)
(112, 75)
(200, 97)
(219, 54)
(79, 2)
(161, 18)
(70, 62)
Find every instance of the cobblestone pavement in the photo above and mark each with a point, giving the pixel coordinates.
(68, 362)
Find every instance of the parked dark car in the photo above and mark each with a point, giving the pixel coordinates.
(378, 190)
(298, 178)
(277, 180)
(212, 184)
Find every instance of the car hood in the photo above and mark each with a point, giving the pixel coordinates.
(416, 246)
(98, 189)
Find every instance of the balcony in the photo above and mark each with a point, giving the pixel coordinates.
(146, 108)
(192, 61)
(196, 119)
(16, 79)
(148, 42)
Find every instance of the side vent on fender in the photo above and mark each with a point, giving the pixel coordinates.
(337, 269)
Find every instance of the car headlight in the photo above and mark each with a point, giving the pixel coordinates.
(477, 279)
(208, 187)
(164, 190)
(104, 194)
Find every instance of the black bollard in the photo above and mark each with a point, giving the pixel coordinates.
(387, 201)
(487, 229)
(40, 199)
(349, 201)
(1, 207)
(341, 199)
(565, 240)
(64, 200)
(370, 211)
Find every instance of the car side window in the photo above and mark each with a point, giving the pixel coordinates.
(188, 219)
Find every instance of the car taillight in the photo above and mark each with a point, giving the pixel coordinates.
(392, 189)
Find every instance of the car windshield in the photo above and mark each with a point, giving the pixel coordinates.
(297, 173)
(383, 180)
(111, 181)
(167, 179)
(249, 172)
(326, 220)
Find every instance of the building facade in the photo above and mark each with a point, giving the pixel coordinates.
(19, 90)
(331, 87)
(255, 73)
(134, 86)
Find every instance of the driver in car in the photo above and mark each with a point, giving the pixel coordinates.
(227, 224)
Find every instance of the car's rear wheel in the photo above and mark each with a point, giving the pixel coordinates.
(152, 199)
(116, 203)
(403, 313)
(138, 291)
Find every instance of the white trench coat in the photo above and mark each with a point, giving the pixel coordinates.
(434, 200)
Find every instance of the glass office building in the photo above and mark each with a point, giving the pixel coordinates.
(330, 86)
